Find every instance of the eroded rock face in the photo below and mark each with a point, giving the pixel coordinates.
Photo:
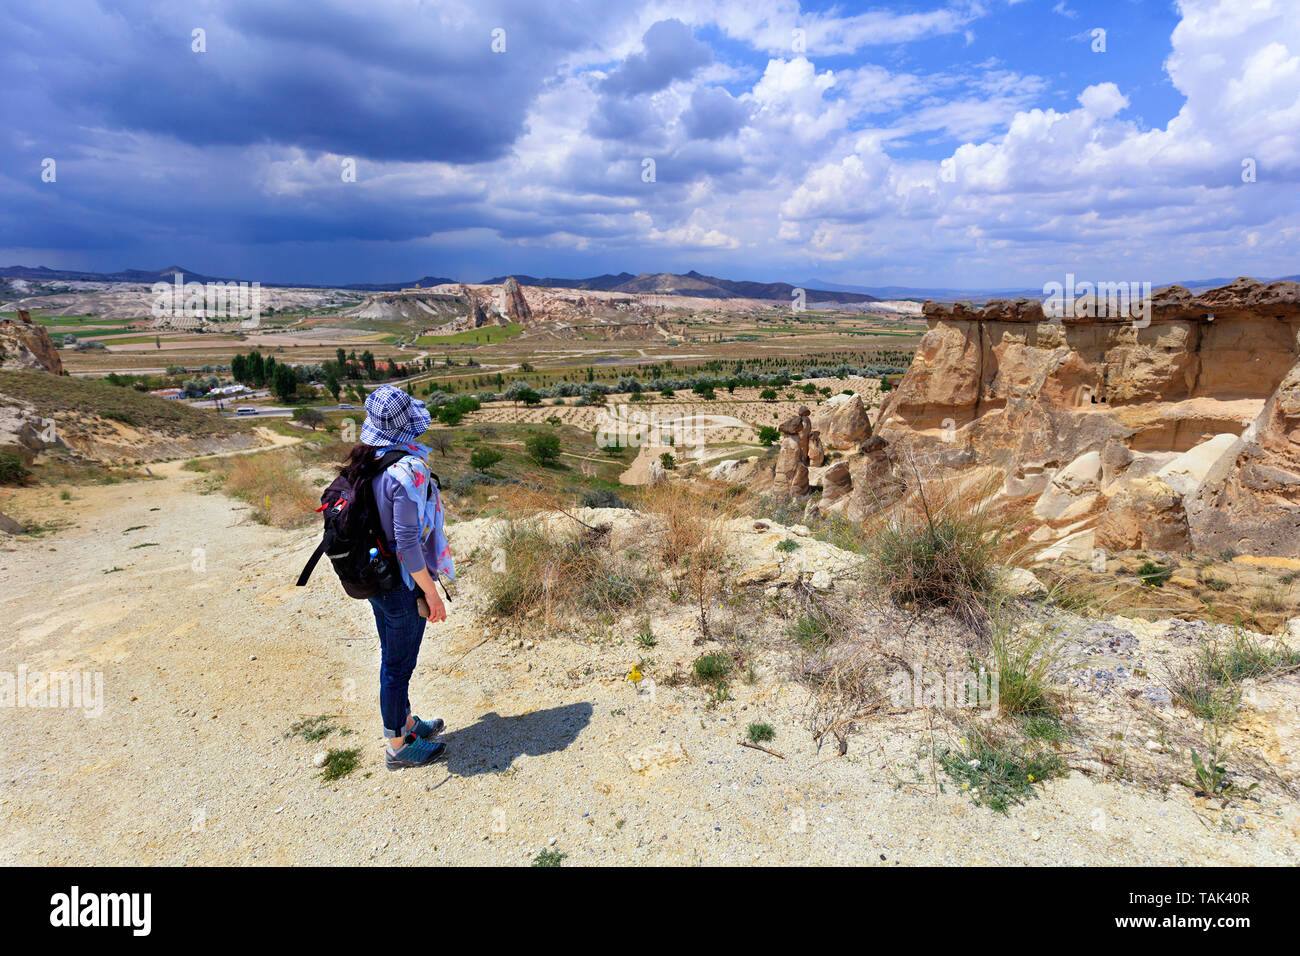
(1180, 430)
(23, 432)
(792, 460)
(27, 346)
(516, 305)
(842, 422)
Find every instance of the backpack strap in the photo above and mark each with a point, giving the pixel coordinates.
(311, 564)
(389, 459)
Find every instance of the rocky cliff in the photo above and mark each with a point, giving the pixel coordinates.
(25, 345)
(1177, 430)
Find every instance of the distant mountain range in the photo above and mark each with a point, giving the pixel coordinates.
(692, 283)
(661, 283)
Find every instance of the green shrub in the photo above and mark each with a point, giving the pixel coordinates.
(484, 459)
(543, 449)
(816, 628)
(758, 733)
(999, 772)
(1024, 658)
(12, 470)
(712, 668)
(1209, 684)
(1155, 574)
(944, 561)
(340, 763)
(603, 498)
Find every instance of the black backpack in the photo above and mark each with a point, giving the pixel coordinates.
(352, 528)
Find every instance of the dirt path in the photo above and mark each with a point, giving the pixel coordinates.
(208, 653)
(176, 468)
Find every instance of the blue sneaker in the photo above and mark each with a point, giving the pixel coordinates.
(414, 753)
(427, 729)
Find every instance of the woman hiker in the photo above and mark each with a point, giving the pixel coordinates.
(411, 515)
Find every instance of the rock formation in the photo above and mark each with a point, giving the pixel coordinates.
(516, 305)
(1178, 430)
(25, 345)
(792, 460)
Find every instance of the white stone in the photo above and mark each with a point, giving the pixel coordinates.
(1020, 582)
(656, 755)
(1072, 490)
(1202, 463)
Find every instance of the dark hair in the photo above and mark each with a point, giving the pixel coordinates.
(357, 458)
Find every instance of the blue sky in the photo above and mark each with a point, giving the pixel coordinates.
(973, 143)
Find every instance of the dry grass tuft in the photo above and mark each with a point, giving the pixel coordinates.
(545, 575)
(940, 545)
(692, 537)
(272, 483)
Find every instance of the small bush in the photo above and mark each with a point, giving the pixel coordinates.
(484, 459)
(1208, 685)
(816, 628)
(119, 415)
(272, 483)
(548, 575)
(603, 498)
(1024, 659)
(1213, 778)
(1154, 574)
(467, 482)
(543, 449)
(998, 773)
(12, 470)
(311, 728)
(1207, 698)
(1046, 728)
(788, 545)
(340, 763)
(758, 733)
(712, 668)
(768, 434)
(938, 550)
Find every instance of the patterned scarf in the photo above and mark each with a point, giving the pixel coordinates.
(413, 474)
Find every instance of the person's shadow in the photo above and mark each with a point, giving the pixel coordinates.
(492, 743)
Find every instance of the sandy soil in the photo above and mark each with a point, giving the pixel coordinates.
(208, 654)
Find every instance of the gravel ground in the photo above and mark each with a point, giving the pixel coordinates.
(209, 654)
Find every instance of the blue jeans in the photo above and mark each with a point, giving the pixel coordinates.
(400, 631)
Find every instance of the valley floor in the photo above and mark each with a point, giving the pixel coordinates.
(209, 655)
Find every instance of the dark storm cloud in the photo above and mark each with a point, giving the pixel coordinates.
(670, 52)
(714, 113)
(394, 83)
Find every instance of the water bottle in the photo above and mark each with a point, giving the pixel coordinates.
(382, 571)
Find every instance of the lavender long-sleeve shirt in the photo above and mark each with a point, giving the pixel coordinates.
(400, 518)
